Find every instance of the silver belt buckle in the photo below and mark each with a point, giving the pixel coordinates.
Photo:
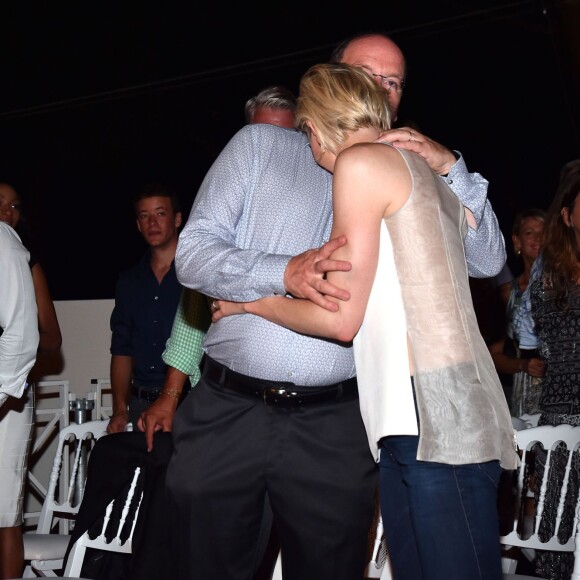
(274, 393)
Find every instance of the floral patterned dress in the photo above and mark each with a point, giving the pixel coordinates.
(557, 325)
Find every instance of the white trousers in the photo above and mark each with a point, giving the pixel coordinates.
(16, 422)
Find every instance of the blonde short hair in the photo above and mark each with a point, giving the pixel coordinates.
(339, 99)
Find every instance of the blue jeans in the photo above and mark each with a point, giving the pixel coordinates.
(441, 521)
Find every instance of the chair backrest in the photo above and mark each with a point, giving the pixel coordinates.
(530, 420)
(531, 510)
(64, 495)
(116, 532)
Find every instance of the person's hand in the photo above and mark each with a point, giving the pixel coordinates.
(305, 275)
(118, 422)
(534, 367)
(222, 308)
(157, 417)
(439, 158)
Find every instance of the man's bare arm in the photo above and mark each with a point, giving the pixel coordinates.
(159, 416)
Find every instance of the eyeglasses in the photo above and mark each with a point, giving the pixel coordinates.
(388, 83)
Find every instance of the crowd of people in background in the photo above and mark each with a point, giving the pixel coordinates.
(307, 339)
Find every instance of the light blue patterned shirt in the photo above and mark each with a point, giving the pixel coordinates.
(484, 246)
(263, 201)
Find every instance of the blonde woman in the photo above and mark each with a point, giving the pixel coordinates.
(434, 410)
(525, 365)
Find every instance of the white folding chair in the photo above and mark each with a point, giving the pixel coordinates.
(44, 549)
(379, 566)
(530, 420)
(277, 574)
(114, 536)
(525, 529)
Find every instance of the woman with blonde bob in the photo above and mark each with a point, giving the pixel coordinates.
(433, 407)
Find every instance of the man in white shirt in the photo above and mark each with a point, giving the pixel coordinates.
(18, 315)
(18, 345)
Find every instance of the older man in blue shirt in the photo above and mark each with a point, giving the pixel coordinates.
(277, 413)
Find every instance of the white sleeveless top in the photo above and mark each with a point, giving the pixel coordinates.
(421, 291)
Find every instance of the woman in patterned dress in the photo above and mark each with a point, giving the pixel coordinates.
(550, 308)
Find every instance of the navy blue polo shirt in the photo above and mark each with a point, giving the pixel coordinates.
(142, 318)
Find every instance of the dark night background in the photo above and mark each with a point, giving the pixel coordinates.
(99, 98)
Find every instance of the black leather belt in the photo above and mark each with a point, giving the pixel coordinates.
(145, 394)
(151, 395)
(278, 393)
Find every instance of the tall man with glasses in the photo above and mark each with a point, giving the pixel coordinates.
(276, 412)
(379, 55)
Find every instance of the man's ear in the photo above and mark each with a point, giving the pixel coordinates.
(178, 219)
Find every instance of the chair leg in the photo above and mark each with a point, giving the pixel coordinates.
(28, 572)
(75, 560)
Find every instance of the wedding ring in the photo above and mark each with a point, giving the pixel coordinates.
(214, 306)
(410, 136)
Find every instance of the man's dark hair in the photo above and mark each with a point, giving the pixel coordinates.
(158, 190)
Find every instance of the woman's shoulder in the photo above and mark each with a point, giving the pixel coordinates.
(373, 157)
(378, 170)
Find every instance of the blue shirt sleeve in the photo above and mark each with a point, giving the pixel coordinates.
(120, 322)
(484, 246)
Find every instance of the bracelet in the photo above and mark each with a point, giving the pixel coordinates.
(172, 393)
